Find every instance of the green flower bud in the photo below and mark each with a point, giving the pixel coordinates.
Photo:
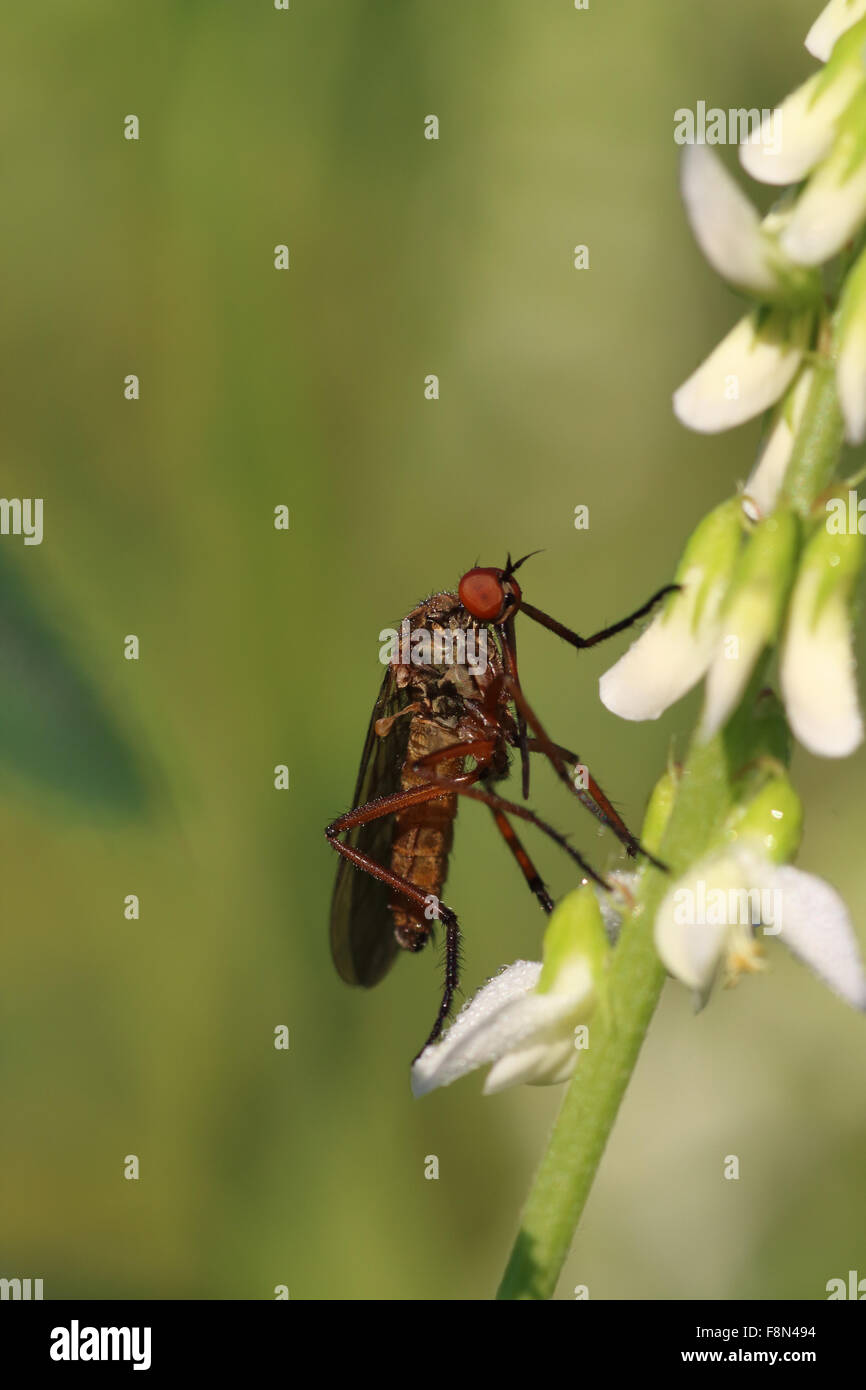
(575, 948)
(772, 820)
(658, 811)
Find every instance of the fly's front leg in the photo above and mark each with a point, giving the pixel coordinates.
(534, 881)
(574, 638)
(592, 797)
(597, 803)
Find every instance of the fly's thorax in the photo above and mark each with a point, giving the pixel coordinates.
(440, 640)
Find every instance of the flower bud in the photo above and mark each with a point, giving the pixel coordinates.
(772, 820)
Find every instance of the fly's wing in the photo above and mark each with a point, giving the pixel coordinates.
(363, 944)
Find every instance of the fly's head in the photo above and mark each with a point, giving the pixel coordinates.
(492, 595)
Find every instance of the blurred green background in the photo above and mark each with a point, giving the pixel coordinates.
(259, 647)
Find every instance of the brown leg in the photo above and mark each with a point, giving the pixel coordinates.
(496, 802)
(386, 806)
(527, 868)
(604, 633)
(376, 811)
(389, 805)
(509, 650)
(594, 798)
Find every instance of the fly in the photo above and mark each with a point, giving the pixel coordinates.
(443, 727)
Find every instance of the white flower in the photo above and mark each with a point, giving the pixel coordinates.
(675, 651)
(748, 371)
(768, 474)
(528, 1036)
(710, 920)
(750, 618)
(832, 207)
(524, 1019)
(817, 669)
(831, 23)
(727, 227)
(798, 134)
(851, 362)
(666, 660)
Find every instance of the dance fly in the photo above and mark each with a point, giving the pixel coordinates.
(449, 713)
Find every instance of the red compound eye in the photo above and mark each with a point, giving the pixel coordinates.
(482, 594)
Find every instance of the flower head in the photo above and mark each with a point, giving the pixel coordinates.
(524, 1019)
(714, 918)
(815, 138)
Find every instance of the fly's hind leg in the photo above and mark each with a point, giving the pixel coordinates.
(375, 810)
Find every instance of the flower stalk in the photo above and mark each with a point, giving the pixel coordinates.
(705, 792)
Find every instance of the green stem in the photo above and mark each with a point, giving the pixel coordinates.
(636, 977)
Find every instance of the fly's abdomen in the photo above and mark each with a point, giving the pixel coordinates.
(423, 834)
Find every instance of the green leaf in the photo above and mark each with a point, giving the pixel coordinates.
(54, 729)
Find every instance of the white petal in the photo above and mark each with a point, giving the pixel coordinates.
(501, 1018)
(817, 929)
(747, 372)
(817, 674)
(726, 225)
(851, 381)
(799, 133)
(692, 949)
(768, 474)
(728, 677)
(831, 23)
(829, 211)
(546, 1061)
(666, 660)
